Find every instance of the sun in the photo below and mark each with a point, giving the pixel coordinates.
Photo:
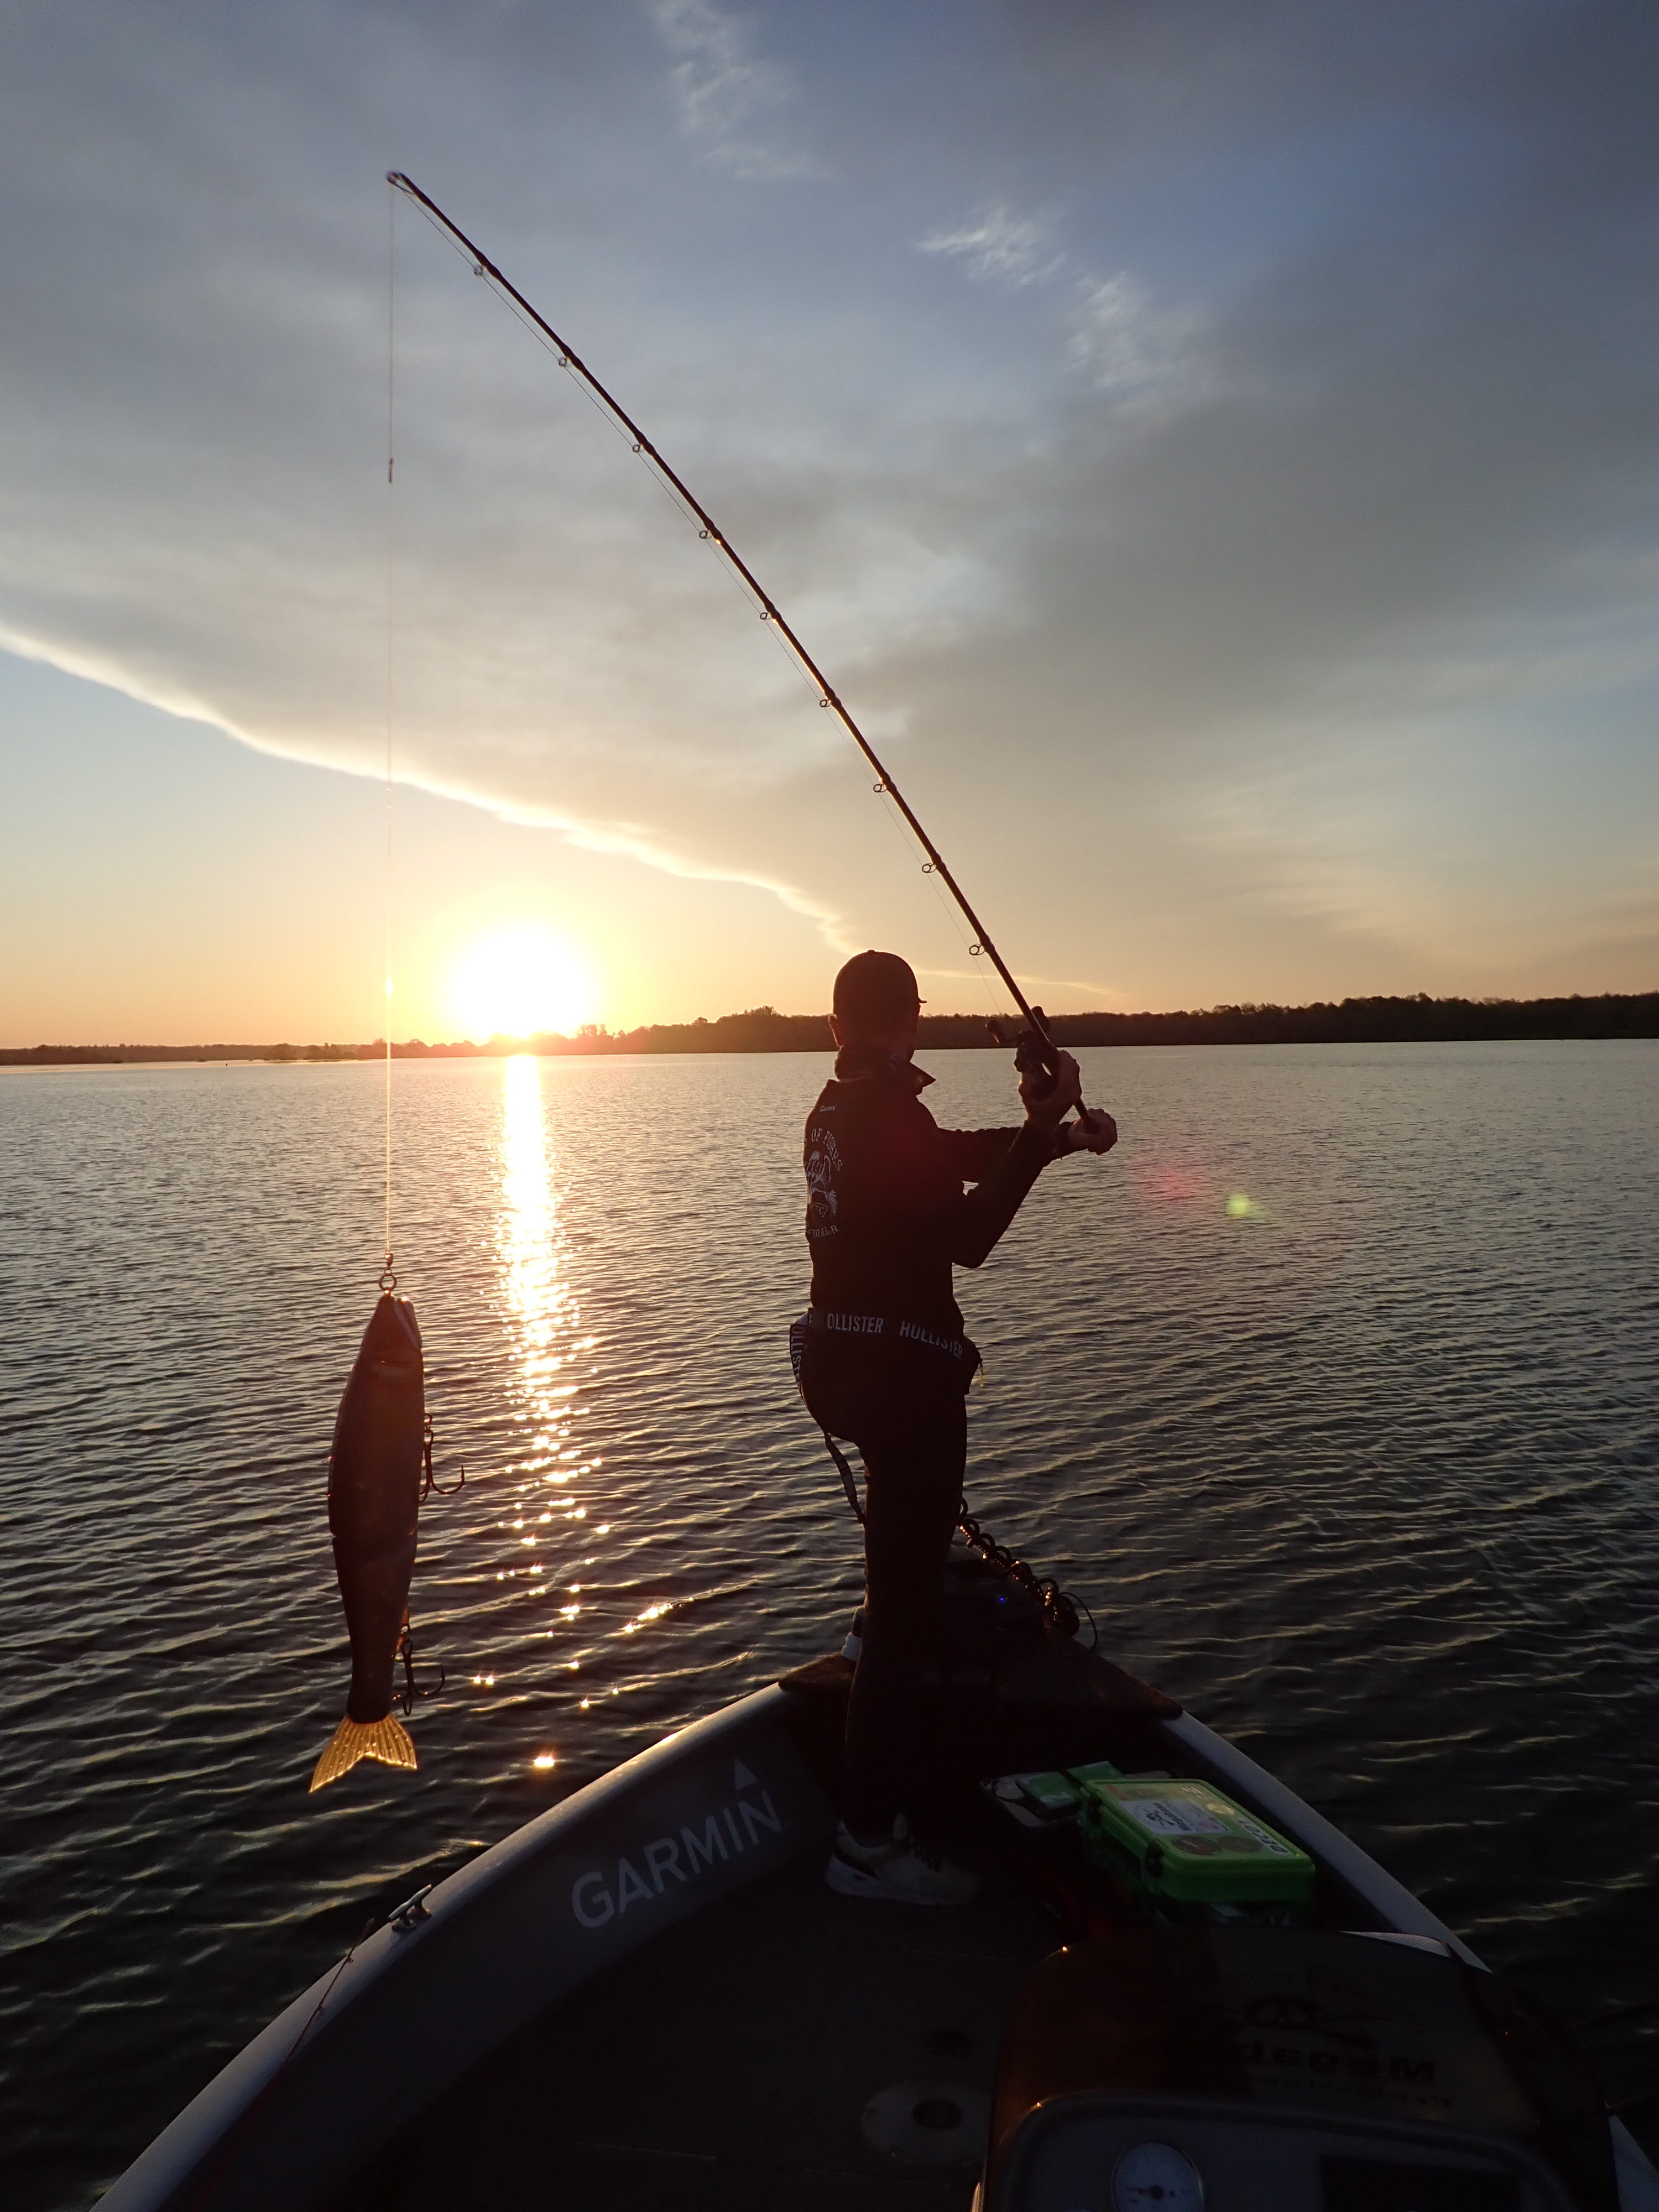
(520, 981)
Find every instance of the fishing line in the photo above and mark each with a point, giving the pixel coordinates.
(1039, 1041)
(527, 316)
(214, 2168)
(680, 503)
(683, 506)
(388, 1279)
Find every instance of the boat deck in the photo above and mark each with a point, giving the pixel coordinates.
(752, 2060)
(745, 2039)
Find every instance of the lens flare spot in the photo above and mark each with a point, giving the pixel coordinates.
(1240, 1206)
(543, 1759)
(1172, 1184)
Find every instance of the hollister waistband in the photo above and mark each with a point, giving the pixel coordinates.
(879, 1328)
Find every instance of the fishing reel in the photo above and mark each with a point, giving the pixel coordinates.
(1034, 1056)
(1034, 1050)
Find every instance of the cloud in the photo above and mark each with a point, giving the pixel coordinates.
(734, 106)
(1002, 248)
(1212, 598)
(1133, 352)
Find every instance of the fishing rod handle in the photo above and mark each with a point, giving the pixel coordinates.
(1036, 1052)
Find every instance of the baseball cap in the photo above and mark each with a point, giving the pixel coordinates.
(874, 989)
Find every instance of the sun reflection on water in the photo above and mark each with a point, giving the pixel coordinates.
(539, 1294)
(550, 1361)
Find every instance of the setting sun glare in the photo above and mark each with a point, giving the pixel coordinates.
(520, 982)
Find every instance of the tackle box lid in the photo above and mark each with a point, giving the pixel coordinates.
(1186, 1840)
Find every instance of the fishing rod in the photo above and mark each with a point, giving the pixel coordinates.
(1038, 1047)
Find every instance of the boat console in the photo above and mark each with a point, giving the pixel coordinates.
(1258, 2069)
(1175, 2155)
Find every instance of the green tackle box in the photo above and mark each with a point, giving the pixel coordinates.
(1054, 1795)
(1185, 1841)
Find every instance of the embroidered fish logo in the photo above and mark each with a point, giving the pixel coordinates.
(822, 1162)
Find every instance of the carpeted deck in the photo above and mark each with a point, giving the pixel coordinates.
(751, 2062)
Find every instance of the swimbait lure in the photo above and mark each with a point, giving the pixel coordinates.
(374, 1472)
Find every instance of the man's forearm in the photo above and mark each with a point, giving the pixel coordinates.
(986, 1212)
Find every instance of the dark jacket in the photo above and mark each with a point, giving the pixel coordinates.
(886, 1215)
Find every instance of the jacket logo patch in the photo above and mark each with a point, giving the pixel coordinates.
(823, 1167)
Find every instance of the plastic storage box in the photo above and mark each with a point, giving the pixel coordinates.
(1054, 1795)
(1185, 1841)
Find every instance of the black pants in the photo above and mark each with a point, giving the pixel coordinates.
(904, 1410)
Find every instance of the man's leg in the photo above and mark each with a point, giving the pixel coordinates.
(915, 1455)
(910, 1429)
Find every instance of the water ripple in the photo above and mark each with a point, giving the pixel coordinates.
(1333, 1394)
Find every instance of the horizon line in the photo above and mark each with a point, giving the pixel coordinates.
(1386, 1017)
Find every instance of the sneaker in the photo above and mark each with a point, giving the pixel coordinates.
(897, 1868)
(854, 1642)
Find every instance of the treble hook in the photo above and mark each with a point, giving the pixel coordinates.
(429, 1482)
(413, 1693)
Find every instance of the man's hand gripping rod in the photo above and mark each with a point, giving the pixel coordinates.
(1037, 1046)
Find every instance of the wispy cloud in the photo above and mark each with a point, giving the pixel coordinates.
(1134, 350)
(1002, 248)
(1097, 997)
(629, 839)
(733, 102)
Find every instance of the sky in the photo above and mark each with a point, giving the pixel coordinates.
(1212, 449)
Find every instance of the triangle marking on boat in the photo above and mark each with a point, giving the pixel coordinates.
(741, 1778)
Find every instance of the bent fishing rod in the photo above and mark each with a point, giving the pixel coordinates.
(1039, 1047)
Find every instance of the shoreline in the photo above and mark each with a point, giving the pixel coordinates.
(1420, 1020)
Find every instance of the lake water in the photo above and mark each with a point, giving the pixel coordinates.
(1332, 1392)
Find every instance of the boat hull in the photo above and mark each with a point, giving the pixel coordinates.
(335, 2078)
(363, 2058)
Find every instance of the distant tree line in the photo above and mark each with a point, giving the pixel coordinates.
(1351, 1021)
(128, 1055)
(1420, 1020)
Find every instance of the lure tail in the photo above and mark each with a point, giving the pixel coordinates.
(388, 1740)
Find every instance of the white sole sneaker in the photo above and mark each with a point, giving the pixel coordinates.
(848, 1878)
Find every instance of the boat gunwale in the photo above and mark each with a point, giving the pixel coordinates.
(1403, 1913)
(179, 2168)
